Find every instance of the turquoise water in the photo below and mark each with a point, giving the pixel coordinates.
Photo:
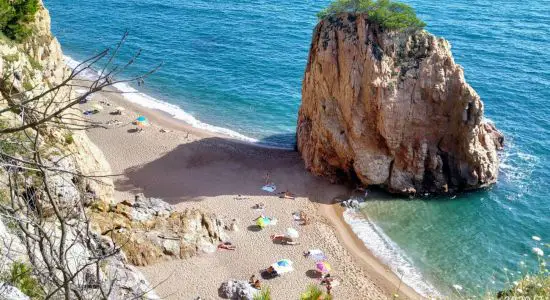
(239, 65)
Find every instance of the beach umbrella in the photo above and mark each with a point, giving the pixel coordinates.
(323, 266)
(142, 121)
(316, 255)
(97, 106)
(283, 266)
(292, 233)
(261, 222)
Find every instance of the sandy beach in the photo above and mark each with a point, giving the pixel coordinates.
(191, 168)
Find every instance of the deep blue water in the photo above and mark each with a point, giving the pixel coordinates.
(239, 64)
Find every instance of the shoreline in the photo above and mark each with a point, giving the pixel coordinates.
(362, 257)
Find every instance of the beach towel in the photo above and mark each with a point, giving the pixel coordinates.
(317, 254)
(270, 188)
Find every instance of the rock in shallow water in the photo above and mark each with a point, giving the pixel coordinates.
(392, 109)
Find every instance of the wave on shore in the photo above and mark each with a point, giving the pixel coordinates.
(133, 95)
(388, 252)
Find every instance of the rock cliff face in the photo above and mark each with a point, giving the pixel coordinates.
(147, 229)
(392, 109)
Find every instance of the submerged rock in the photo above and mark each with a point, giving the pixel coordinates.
(392, 109)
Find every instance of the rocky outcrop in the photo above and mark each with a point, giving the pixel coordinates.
(237, 290)
(392, 109)
(150, 230)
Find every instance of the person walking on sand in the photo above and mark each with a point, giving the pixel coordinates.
(329, 288)
(267, 177)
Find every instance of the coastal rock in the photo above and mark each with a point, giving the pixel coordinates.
(351, 203)
(237, 290)
(150, 230)
(8, 292)
(392, 109)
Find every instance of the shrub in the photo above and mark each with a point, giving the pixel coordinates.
(15, 16)
(313, 292)
(264, 294)
(69, 138)
(388, 14)
(20, 276)
(35, 64)
(27, 85)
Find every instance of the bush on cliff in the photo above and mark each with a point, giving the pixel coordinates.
(388, 14)
(15, 16)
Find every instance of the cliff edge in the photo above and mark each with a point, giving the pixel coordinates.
(392, 109)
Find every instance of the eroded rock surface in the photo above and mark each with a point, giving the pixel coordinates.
(392, 109)
(149, 230)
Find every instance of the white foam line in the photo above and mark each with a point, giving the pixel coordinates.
(388, 252)
(134, 96)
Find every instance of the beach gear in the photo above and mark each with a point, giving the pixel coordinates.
(270, 188)
(317, 255)
(263, 222)
(283, 266)
(323, 266)
(97, 107)
(292, 233)
(142, 121)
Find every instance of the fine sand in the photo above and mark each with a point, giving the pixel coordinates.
(190, 168)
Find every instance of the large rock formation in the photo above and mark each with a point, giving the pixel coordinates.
(147, 229)
(392, 109)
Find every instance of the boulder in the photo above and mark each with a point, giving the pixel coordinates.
(237, 290)
(8, 292)
(392, 109)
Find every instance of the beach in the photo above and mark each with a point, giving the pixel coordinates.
(188, 167)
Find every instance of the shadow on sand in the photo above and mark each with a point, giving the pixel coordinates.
(216, 166)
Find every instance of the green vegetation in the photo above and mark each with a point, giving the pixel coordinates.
(15, 16)
(20, 276)
(69, 138)
(11, 58)
(264, 294)
(314, 292)
(388, 14)
(533, 285)
(34, 63)
(27, 85)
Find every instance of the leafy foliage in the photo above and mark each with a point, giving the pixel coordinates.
(313, 292)
(15, 16)
(20, 276)
(388, 14)
(264, 294)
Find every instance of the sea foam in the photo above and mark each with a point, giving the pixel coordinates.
(133, 95)
(388, 252)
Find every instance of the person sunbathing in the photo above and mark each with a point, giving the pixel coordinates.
(326, 280)
(271, 272)
(304, 218)
(288, 195)
(252, 279)
(284, 239)
(257, 285)
(258, 206)
(277, 236)
(227, 246)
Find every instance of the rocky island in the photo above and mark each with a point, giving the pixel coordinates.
(392, 108)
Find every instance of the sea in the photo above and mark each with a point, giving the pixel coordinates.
(236, 66)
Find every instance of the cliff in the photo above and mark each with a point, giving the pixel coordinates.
(392, 109)
(65, 186)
